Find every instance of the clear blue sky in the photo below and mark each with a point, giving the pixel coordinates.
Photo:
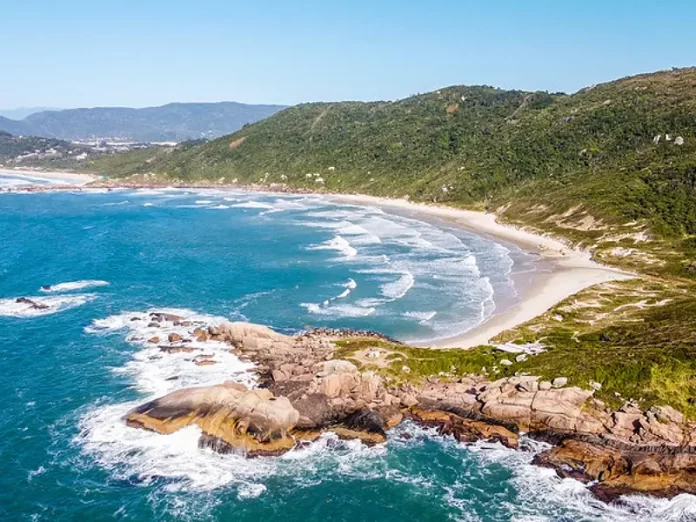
(150, 52)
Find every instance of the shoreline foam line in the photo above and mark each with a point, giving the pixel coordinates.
(571, 270)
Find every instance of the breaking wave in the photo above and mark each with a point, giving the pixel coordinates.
(74, 285)
(41, 305)
(339, 244)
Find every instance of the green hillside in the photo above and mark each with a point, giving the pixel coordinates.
(576, 165)
(171, 122)
(12, 147)
(596, 168)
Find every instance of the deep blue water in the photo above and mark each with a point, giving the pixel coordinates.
(70, 372)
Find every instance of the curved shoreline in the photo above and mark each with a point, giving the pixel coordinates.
(61, 179)
(321, 381)
(571, 270)
(568, 270)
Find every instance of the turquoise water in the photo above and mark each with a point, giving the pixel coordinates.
(71, 371)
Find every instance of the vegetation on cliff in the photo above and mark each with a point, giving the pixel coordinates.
(619, 152)
(630, 340)
(611, 168)
(15, 146)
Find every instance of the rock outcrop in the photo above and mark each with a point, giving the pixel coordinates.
(229, 415)
(557, 413)
(619, 470)
(466, 430)
(32, 304)
(306, 389)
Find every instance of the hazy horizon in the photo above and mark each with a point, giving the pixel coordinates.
(19, 113)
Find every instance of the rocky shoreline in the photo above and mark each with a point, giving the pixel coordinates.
(306, 388)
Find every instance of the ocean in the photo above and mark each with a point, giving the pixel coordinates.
(97, 259)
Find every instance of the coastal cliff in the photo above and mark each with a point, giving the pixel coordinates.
(313, 382)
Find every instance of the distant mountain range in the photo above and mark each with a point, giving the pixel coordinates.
(23, 112)
(171, 122)
(623, 151)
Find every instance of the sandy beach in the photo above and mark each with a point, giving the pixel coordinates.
(56, 178)
(565, 272)
(571, 270)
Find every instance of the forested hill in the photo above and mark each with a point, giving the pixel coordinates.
(8, 126)
(172, 122)
(12, 147)
(610, 154)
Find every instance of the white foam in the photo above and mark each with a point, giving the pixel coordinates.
(203, 202)
(349, 287)
(129, 452)
(543, 494)
(35, 472)
(75, 285)
(540, 494)
(399, 288)
(421, 317)
(211, 192)
(284, 205)
(343, 294)
(253, 205)
(332, 225)
(11, 308)
(396, 230)
(359, 235)
(175, 460)
(339, 244)
(328, 307)
(338, 310)
(250, 490)
(152, 369)
(149, 192)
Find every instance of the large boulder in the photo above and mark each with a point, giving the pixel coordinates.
(254, 421)
(463, 429)
(565, 411)
(247, 334)
(338, 379)
(617, 471)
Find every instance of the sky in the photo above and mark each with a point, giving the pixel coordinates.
(151, 52)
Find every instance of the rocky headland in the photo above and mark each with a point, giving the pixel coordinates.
(308, 386)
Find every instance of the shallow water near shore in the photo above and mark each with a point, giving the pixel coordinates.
(72, 369)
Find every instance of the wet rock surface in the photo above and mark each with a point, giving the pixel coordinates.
(253, 421)
(33, 304)
(614, 471)
(305, 390)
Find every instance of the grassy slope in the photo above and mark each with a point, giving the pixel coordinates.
(583, 167)
(637, 339)
(534, 155)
